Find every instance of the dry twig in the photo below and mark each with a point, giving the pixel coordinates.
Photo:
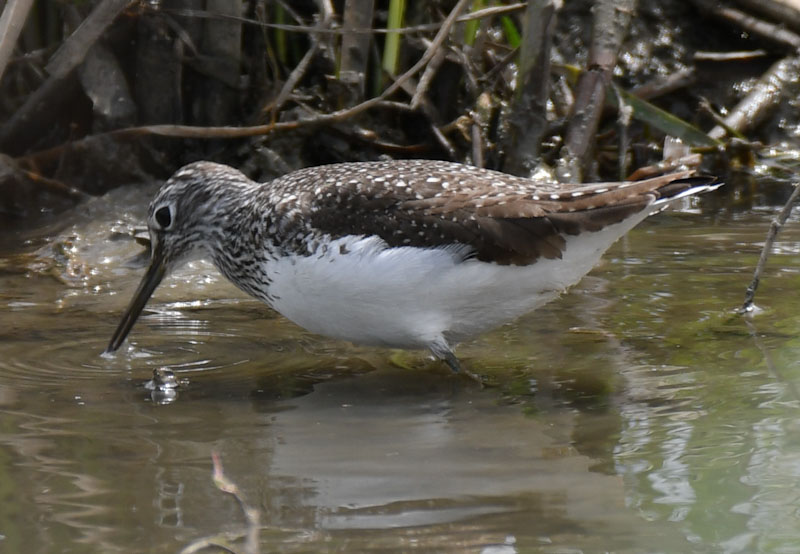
(765, 29)
(28, 120)
(300, 70)
(355, 45)
(609, 27)
(200, 132)
(527, 123)
(777, 83)
(437, 54)
(14, 15)
(304, 29)
(774, 229)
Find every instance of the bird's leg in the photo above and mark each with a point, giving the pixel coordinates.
(442, 351)
(451, 360)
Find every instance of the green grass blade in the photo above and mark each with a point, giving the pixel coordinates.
(471, 27)
(511, 31)
(662, 120)
(391, 48)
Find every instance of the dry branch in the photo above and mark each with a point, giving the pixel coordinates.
(774, 229)
(202, 132)
(527, 121)
(222, 46)
(436, 48)
(765, 29)
(356, 44)
(159, 70)
(74, 49)
(41, 107)
(785, 11)
(14, 15)
(103, 81)
(661, 86)
(300, 70)
(776, 84)
(609, 27)
(426, 27)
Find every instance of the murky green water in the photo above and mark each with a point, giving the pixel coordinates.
(633, 415)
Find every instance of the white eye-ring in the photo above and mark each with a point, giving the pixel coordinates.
(163, 216)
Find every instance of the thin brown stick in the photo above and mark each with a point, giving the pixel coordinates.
(661, 86)
(197, 132)
(527, 123)
(426, 27)
(765, 29)
(54, 186)
(301, 68)
(742, 55)
(326, 7)
(774, 229)
(610, 22)
(39, 108)
(443, 141)
(355, 46)
(437, 52)
(768, 93)
(73, 50)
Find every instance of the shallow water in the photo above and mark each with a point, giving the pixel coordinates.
(634, 414)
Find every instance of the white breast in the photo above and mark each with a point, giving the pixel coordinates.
(409, 297)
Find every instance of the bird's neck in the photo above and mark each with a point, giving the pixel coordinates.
(241, 239)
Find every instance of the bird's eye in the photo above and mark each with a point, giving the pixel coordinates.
(164, 217)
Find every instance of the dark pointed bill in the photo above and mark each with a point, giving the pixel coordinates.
(155, 273)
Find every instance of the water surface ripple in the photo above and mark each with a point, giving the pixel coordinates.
(635, 414)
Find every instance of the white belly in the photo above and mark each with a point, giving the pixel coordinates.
(410, 297)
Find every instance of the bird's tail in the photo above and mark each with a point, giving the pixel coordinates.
(689, 186)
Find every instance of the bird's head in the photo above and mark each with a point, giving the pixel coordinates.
(184, 219)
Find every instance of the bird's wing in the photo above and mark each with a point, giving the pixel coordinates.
(504, 219)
